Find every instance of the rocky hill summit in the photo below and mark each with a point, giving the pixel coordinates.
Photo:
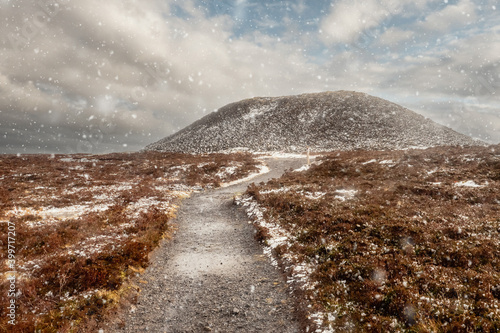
(341, 120)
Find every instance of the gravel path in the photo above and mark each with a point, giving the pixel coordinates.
(213, 275)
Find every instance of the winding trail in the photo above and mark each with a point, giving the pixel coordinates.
(213, 276)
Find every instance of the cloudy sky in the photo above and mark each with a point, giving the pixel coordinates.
(101, 76)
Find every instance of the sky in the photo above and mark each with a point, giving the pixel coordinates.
(110, 76)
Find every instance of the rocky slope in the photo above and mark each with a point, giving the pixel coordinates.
(342, 120)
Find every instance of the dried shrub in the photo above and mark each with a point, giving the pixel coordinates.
(416, 247)
(71, 279)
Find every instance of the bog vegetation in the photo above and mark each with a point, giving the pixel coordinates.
(402, 241)
(85, 225)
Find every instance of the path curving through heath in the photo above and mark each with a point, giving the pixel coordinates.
(212, 276)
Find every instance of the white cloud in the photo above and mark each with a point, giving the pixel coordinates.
(348, 20)
(450, 17)
(133, 72)
(394, 36)
(299, 6)
(96, 64)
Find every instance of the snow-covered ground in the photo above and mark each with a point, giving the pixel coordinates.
(263, 169)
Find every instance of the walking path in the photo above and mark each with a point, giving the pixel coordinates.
(213, 275)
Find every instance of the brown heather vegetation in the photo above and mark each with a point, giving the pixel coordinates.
(85, 225)
(415, 249)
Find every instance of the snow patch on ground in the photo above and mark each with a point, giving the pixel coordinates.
(430, 172)
(277, 190)
(227, 171)
(313, 195)
(296, 189)
(299, 271)
(302, 168)
(263, 169)
(109, 192)
(50, 215)
(416, 148)
(344, 195)
(341, 194)
(259, 110)
(55, 214)
(144, 204)
(81, 160)
(468, 183)
(94, 245)
(265, 155)
(277, 235)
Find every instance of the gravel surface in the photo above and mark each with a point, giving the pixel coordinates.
(213, 275)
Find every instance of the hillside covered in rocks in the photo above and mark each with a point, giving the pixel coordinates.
(341, 120)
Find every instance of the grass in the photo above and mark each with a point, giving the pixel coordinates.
(85, 226)
(402, 241)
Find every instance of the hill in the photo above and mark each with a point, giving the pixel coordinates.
(342, 120)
